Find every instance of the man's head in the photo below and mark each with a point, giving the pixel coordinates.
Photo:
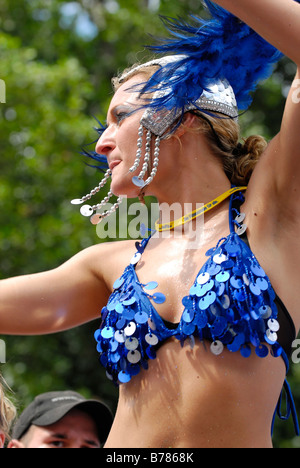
(62, 420)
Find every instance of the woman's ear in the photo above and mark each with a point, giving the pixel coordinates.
(187, 122)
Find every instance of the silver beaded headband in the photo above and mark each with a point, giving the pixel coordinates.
(218, 97)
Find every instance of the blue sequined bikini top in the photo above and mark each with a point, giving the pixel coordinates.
(231, 304)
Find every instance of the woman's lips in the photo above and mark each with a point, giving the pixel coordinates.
(113, 164)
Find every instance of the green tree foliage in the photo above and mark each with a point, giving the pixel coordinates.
(57, 59)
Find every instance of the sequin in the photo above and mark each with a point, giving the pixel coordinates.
(223, 276)
(118, 283)
(129, 302)
(151, 324)
(141, 317)
(225, 301)
(119, 308)
(77, 201)
(107, 332)
(131, 343)
(114, 344)
(255, 289)
(236, 282)
(115, 358)
(257, 270)
(245, 351)
(207, 300)
(136, 258)
(124, 377)
(220, 288)
(219, 326)
(203, 278)
(188, 316)
(202, 320)
(138, 182)
(130, 329)
(151, 285)
(233, 249)
(246, 279)
(86, 210)
(220, 258)
(262, 284)
(187, 302)
(240, 218)
(271, 336)
(262, 351)
(273, 325)
(119, 336)
(237, 342)
(217, 348)
(240, 230)
(159, 298)
(214, 269)
(134, 357)
(265, 311)
(151, 339)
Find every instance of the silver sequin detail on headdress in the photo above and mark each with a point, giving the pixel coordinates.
(219, 97)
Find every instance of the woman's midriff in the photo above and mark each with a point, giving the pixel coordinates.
(191, 398)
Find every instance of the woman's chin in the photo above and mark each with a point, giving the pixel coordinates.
(120, 188)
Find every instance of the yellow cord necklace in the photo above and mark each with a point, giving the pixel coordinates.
(200, 211)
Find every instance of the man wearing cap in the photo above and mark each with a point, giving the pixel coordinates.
(62, 420)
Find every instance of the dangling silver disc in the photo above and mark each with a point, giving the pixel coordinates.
(96, 219)
(77, 201)
(217, 347)
(86, 210)
(138, 182)
(240, 218)
(241, 229)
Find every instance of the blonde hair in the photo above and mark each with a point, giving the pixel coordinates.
(7, 410)
(222, 133)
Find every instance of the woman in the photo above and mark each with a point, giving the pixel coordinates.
(7, 415)
(203, 393)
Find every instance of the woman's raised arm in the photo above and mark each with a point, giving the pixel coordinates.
(277, 21)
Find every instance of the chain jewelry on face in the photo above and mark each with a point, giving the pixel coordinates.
(89, 210)
(139, 150)
(138, 180)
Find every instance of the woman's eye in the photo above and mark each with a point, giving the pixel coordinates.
(121, 116)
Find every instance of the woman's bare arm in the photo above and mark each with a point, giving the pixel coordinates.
(58, 299)
(277, 21)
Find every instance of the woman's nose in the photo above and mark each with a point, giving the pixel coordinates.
(106, 143)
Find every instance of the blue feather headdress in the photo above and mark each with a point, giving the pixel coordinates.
(221, 47)
(96, 157)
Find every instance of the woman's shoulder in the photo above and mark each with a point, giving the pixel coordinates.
(109, 259)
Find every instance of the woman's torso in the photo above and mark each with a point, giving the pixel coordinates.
(189, 397)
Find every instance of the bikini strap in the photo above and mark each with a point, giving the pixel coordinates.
(290, 404)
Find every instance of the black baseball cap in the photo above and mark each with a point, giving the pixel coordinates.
(49, 408)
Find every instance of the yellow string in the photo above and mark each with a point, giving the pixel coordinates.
(200, 211)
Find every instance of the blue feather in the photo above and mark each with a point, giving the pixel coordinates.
(215, 48)
(100, 158)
